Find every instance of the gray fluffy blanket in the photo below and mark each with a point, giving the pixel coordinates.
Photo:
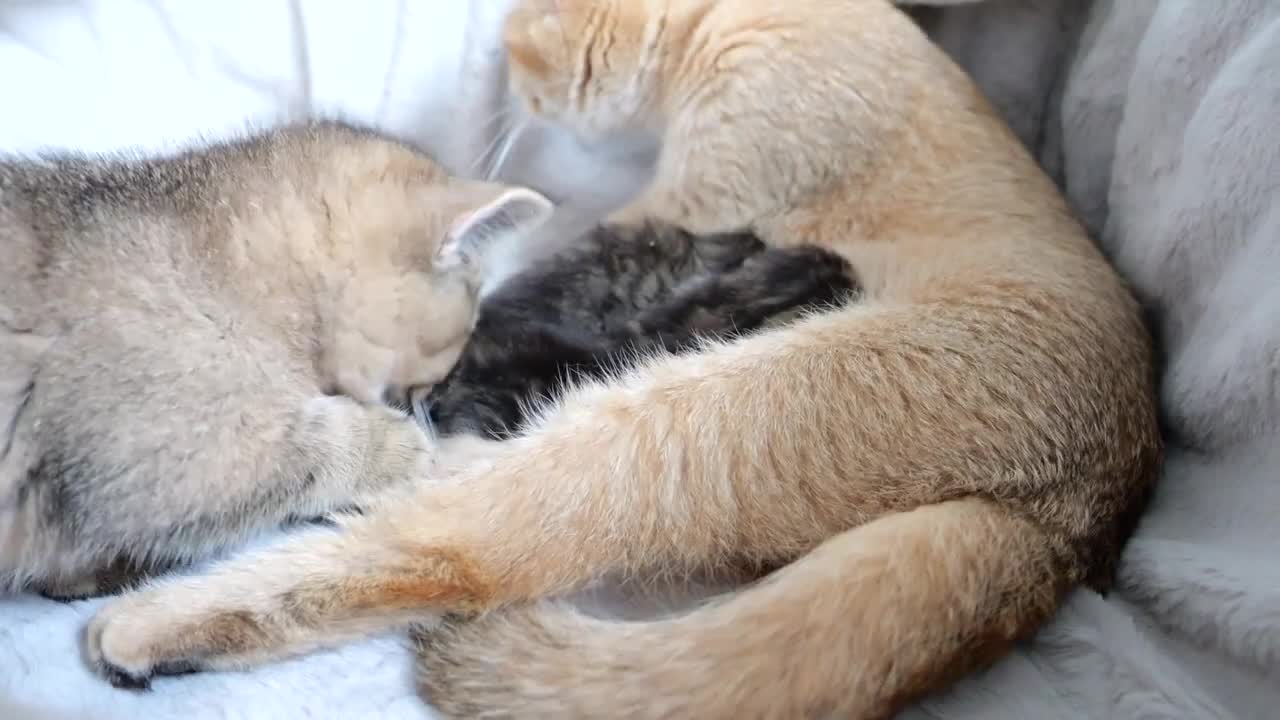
(1161, 119)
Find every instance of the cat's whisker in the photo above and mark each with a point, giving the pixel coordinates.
(420, 408)
(501, 158)
(499, 117)
(482, 160)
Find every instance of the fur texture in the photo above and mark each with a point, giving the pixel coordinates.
(170, 329)
(618, 295)
(935, 466)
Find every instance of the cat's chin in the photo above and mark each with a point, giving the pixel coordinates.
(580, 175)
(633, 147)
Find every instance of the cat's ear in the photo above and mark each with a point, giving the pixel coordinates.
(533, 35)
(516, 211)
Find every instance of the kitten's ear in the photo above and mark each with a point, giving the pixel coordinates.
(515, 211)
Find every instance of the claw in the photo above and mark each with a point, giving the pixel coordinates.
(123, 679)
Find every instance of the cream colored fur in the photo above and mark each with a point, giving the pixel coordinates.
(169, 329)
(932, 469)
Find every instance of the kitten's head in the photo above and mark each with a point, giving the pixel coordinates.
(590, 66)
(408, 308)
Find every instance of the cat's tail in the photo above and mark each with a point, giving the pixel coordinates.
(869, 619)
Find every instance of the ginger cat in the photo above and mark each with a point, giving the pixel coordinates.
(933, 468)
(170, 329)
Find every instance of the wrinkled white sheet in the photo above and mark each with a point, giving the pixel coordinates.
(122, 73)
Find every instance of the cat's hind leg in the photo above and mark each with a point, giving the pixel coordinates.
(840, 633)
(286, 599)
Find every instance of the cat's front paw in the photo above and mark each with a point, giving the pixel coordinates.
(72, 590)
(178, 628)
(111, 579)
(135, 638)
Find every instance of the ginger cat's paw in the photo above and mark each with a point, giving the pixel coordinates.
(140, 636)
(315, 588)
(222, 623)
(229, 619)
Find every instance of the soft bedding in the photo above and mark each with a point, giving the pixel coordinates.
(1157, 116)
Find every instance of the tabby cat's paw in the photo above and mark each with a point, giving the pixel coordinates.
(112, 579)
(70, 591)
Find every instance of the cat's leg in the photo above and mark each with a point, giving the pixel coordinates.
(335, 456)
(669, 199)
(315, 588)
(757, 452)
(352, 452)
(307, 596)
(711, 179)
(365, 452)
(866, 620)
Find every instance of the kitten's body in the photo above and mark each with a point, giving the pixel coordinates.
(615, 296)
(169, 329)
(939, 463)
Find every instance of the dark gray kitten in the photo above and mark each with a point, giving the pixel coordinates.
(619, 294)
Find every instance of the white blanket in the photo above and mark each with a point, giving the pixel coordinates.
(1158, 116)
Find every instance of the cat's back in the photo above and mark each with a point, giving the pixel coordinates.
(609, 274)
(123, 227)
(80, 229)
(899, 146)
